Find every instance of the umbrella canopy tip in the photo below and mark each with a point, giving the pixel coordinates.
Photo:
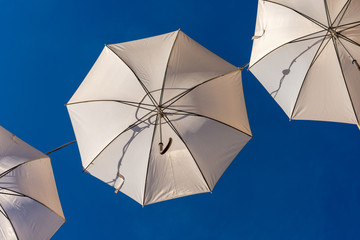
(358, 126)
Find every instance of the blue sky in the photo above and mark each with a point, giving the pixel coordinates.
(294, 180)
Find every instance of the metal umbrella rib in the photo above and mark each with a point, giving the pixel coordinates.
(316, 56)
(139, 121)
(344, 78)
(4, 213)
(301, 14)
(141, 83)
(303, 38)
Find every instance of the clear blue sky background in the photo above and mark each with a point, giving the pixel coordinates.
(294, 180)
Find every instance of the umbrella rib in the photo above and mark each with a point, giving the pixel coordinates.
(292, 41)
(355, 24)
(178, 134)
(344, 9)
(180, 95)
(148, 163)
(306, 39)
(342, 72)
(305, 16)
(349, 40)
(179, 112)
(167, 65)
(141, 83)
(129, 103)
(8, 218)
(141, 120)
(316, 56)
(327, 13)
(23, 195)
(13, 168)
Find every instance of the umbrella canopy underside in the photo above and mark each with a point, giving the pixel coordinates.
(306, 54)
(142, 93)
(29, 204)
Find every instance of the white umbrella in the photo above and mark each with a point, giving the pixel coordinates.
(306, 54)
(165, 87)
(29, 203)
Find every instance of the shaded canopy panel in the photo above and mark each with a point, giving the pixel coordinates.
(351, 73)
(127, 155)
(97, 123)
(221, 143)
(29, 219)
(283, 80)
(277, 25)
(219, 98)
(189, 65)
(324, 93)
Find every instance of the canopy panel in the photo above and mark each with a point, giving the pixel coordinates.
(226, 104)
(350, 13)
(277, 25)
(175, 173)
(14, 151)
(109, 79)
(351, 73)
(313, 10)
(214, 145)
(335, 8)
(6, 229)
(34, 179)
(191, 64)
(127, 155)
(147, 58)
(324, 95)
(284, 79)
(96, 124)
(30, 219)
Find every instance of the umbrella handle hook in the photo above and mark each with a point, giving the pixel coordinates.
(164, 150)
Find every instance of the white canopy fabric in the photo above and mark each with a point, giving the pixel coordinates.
(306, 54)
(29, 204)
(165, 89)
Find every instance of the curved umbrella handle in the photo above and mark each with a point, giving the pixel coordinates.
(163, 151)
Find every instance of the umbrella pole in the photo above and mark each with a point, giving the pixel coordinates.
(160, 143)
(62, 146)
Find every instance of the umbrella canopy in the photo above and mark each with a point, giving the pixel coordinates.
(159, 118)
(306, 54)
(29, 203)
